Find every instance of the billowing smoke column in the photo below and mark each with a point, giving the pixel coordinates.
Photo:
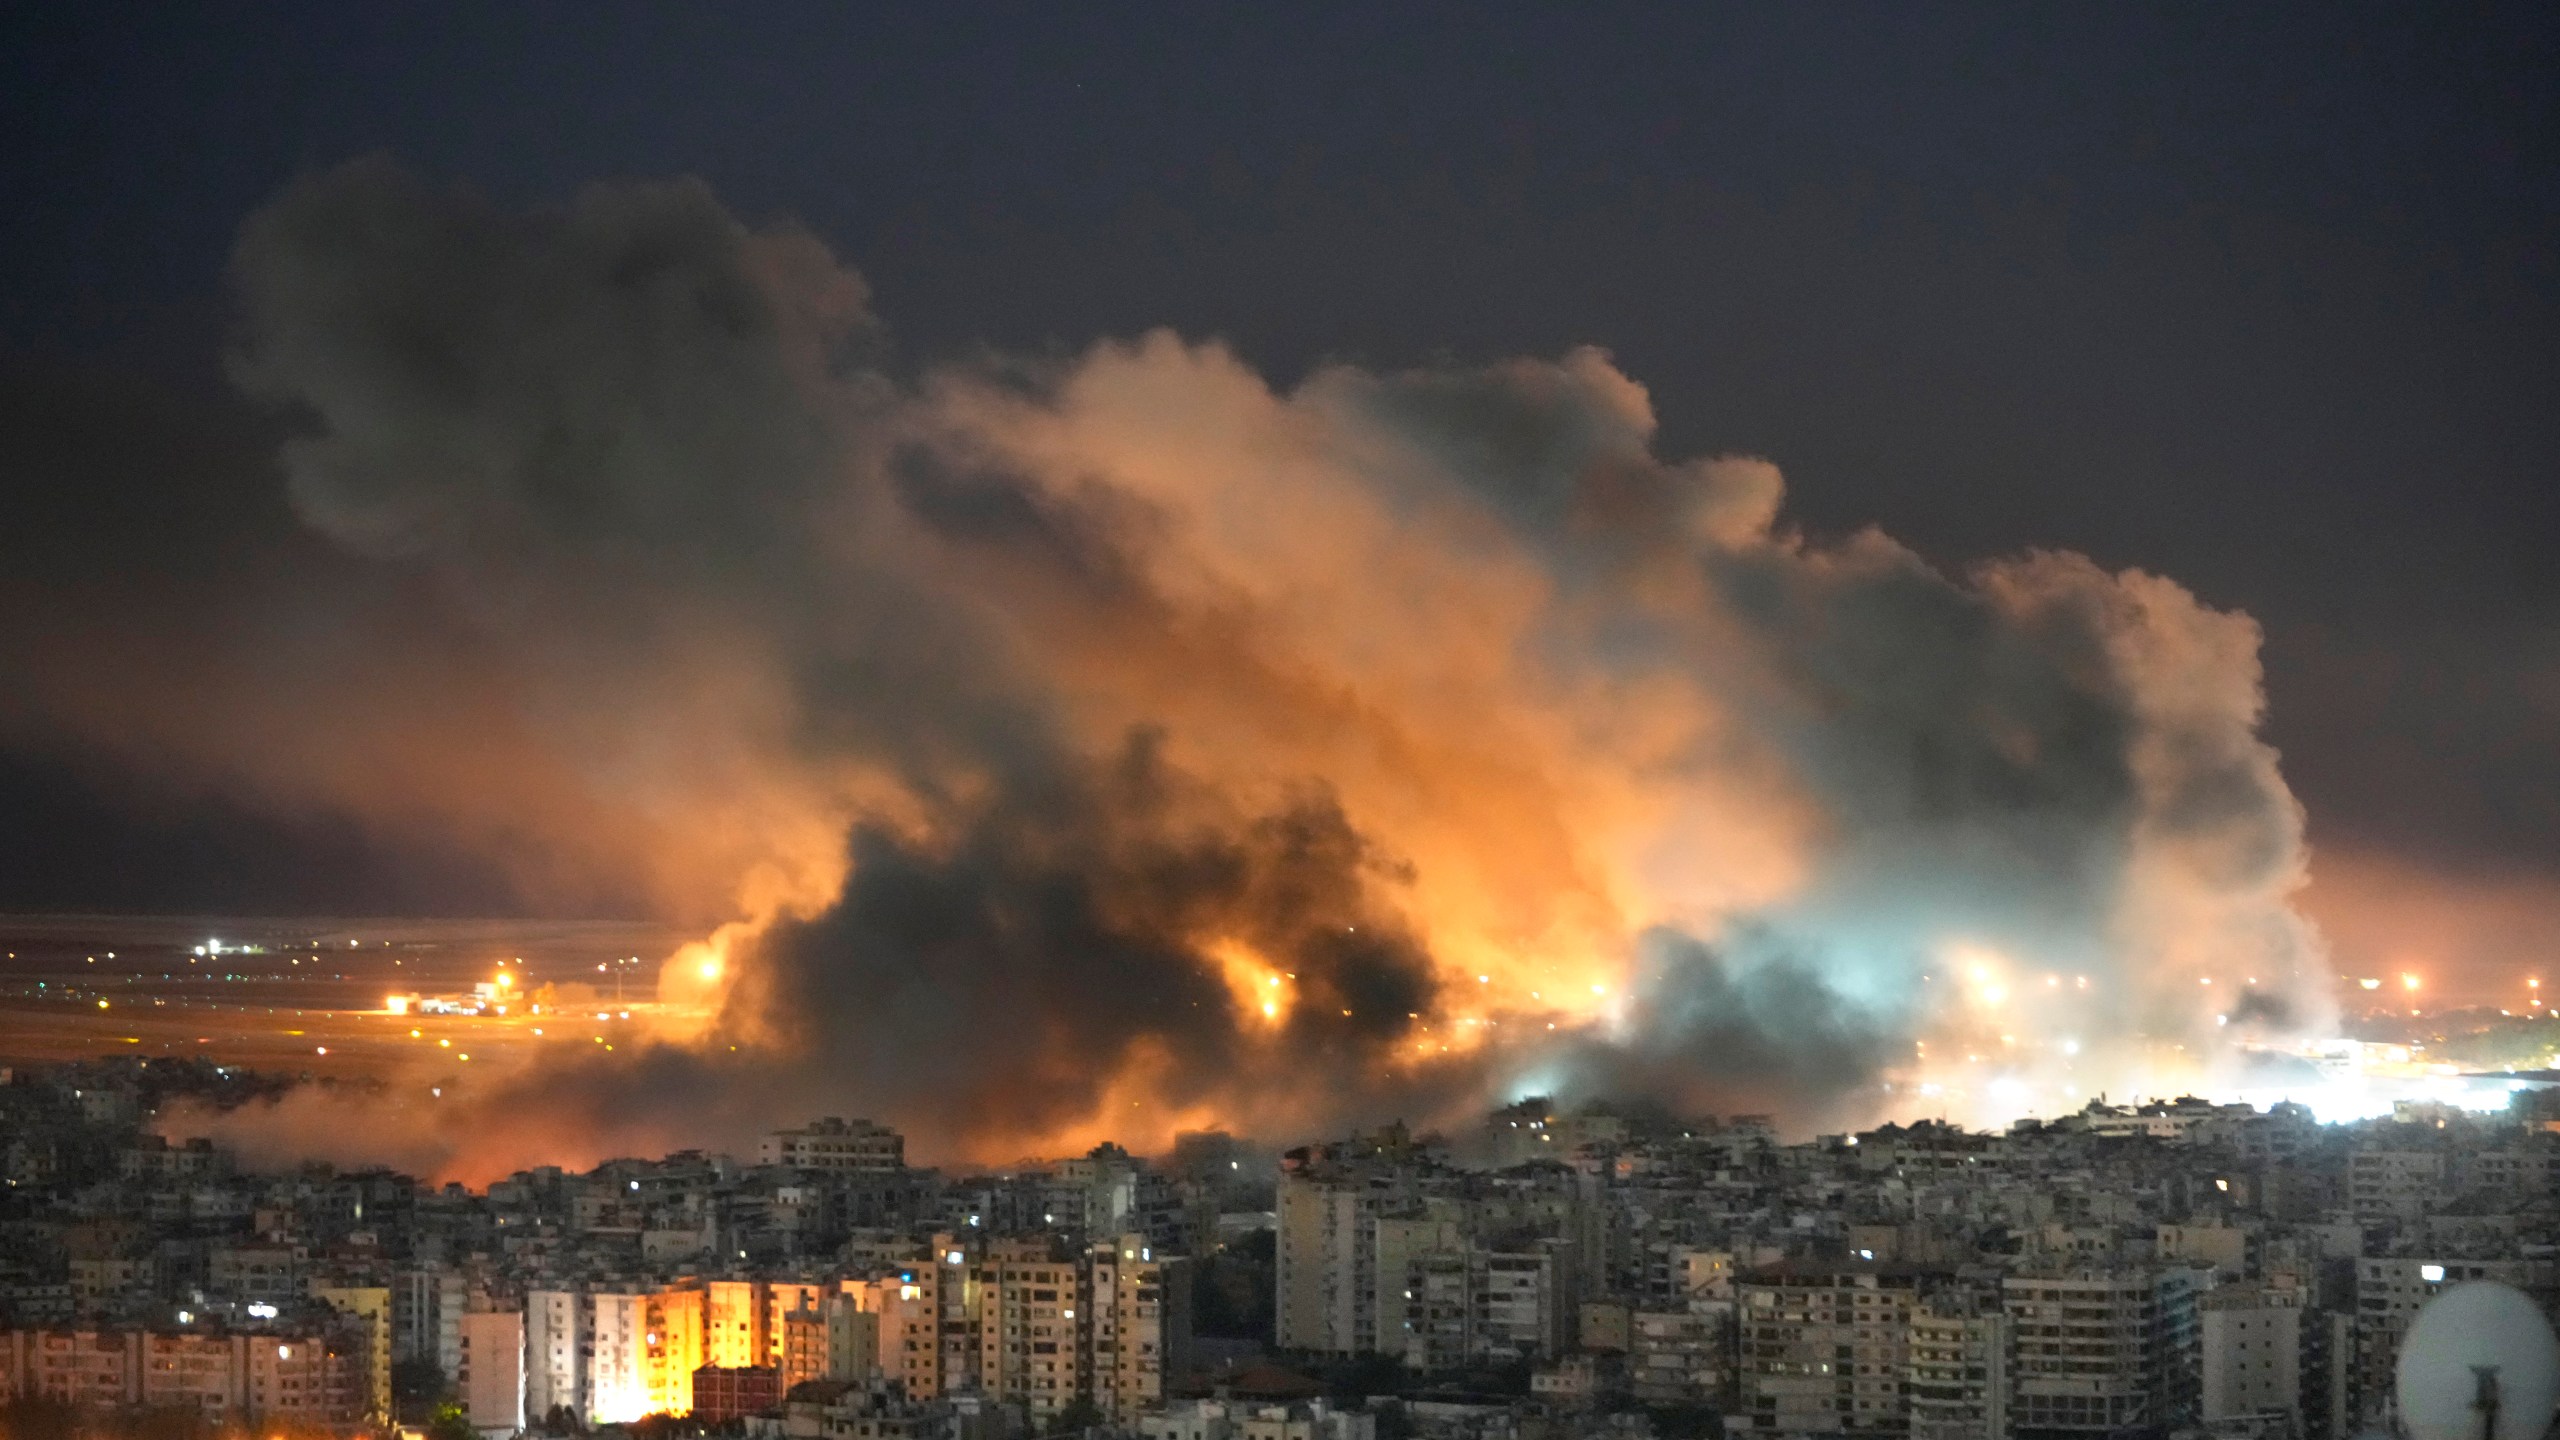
(1106, 746)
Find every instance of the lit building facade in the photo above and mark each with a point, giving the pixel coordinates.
(315, 1378)
(833, 1144)
(1135, 1328)
(1826, 1347)
(493, 1369)
(370, 1306)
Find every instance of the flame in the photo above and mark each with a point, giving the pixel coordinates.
(1260, 989)
(1647, 709)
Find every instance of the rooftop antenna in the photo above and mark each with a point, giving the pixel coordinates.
(2479, 1363)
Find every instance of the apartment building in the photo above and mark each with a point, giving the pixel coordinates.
(369, 1306)
(316, 1378)
(1136, 1325)
(1680, 1356)
(835, 1144)
(1962, 1346)
(1326, 1260)
(1028, 1329)
(427, 1306)
(2255, 1342)
(1826, 1346)
(555, 1353)
(2395, 1184)
(492, 1377)
(2086, 1353)
(2390, 1290)
(909, 1304)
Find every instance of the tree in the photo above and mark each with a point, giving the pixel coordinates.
(417, 1387)
(1079, 1415)
(1685, 1421)
(1232, 1290)
(1370, 1373)
(451, 1423)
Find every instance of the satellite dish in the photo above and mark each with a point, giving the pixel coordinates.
(2480, 1363)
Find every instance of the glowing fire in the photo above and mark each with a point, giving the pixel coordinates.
(1560, 696)
(1258, 988)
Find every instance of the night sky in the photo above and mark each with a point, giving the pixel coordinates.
(2265, 299)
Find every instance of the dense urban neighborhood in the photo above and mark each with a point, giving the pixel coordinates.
(2161, 1269)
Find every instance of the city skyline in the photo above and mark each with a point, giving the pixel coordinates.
(1056, 579)
(1318, 722)
(2168, 1268)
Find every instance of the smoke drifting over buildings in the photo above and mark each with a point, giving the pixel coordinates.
(1111, 744)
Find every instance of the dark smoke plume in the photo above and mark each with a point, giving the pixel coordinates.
(1106, 746)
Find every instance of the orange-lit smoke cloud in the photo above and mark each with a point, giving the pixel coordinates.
(1037, 718)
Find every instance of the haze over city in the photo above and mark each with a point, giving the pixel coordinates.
(1254, 672)
(1277, 723)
